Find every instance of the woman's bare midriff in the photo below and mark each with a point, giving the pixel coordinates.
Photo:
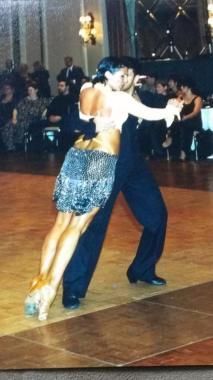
(106, 141)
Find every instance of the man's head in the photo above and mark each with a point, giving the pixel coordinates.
(68, 61)
(37, 66)
(9, 64)
(62, 87)
(151, 79)
(8, 89)
(173, 81)
(133, 73)
(161, 87)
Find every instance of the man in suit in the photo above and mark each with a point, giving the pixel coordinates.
(143, 196)
(73, 75)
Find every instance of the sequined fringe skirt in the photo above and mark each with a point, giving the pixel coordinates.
(85, 180)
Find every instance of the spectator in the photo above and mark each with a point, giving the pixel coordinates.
(152, 133)
(60, 107)
(182, 131)
(29, 113)
(173, 86)
(7, 116)
(73, 75)
(21, 79)
(41, 76)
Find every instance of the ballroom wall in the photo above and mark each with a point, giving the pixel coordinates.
(47, 30)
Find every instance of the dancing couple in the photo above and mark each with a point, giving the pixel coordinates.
(87, 176)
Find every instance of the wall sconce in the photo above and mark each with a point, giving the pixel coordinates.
(210, 14)
(87, 31)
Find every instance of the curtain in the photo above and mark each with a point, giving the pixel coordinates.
(130, 7)
(118, 31)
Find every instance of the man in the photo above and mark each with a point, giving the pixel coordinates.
(61, 106)
(41, 76)
(142, 194)
(73, 75)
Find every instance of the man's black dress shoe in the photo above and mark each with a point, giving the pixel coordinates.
(158, 281)
(70, 301)
(155, 280)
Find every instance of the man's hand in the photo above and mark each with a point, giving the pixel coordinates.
(102, 124)
(54, 119)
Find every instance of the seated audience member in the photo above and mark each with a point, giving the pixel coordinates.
(173, 86)
(7, 116)
(148, 89)
(29, 113)
(152, 133)
(73, 75)
(61, 105)
(41, 76)
(58, 109)
(158, 129)
(182, 131)
(21, 80)
(8, 73)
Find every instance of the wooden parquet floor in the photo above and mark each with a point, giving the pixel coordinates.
(118, 324)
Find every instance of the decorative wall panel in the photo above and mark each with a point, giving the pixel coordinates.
(168, 28)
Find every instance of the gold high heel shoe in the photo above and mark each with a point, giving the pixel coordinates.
(31, 303)
(47, 294)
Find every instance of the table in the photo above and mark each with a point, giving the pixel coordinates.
(207, 118)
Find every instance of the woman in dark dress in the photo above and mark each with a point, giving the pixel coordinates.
(7, 116)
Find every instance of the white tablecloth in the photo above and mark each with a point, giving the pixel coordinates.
(207, 118)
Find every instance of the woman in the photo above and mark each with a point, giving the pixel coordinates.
(87, 175)
(29, 112)
(7, 116)
(181, 134)
(190, 117)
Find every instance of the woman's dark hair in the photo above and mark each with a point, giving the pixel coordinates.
(33, 84)
(9, 83)
(190, 83)
(111, 64)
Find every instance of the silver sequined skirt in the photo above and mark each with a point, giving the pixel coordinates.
(85, 180)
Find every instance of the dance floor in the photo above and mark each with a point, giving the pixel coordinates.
(118, 324)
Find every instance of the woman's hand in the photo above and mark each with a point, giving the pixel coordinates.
(173, 109)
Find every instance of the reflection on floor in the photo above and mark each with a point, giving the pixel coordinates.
(118, 324)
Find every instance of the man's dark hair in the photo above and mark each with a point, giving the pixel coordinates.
(131, 63)
(60, 78)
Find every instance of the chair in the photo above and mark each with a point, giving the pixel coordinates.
(27, 140)
(52, 133)
(194, 146)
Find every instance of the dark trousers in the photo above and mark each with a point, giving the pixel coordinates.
(145, 201)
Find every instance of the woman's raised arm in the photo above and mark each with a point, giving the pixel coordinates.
(148, 113)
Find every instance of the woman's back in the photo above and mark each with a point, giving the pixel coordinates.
(102, 105)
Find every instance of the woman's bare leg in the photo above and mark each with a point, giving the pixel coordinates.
(47, 257)
(65, 249)
(51, 241)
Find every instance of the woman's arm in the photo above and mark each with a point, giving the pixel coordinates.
(148, 113)
(197, 108)
(14, 116)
